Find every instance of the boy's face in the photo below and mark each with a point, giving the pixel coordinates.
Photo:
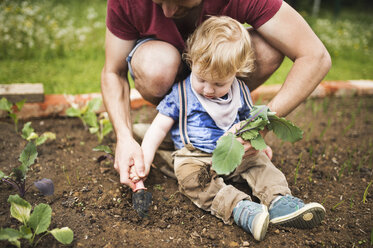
(208, 87)
(177, 8)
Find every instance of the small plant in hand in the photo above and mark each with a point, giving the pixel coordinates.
(229, 151)
(12, 109)
(29, 134)
(34, 223)
(17, 178)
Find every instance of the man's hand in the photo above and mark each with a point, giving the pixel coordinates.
(128, 153)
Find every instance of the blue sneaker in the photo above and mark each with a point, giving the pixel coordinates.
(291, 211)
(252, 217)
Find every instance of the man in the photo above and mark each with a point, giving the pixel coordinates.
(278, 30)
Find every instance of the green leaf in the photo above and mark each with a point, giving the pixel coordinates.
(25, 232)
(91, 119)
(19, 208)
(250, 134)
(73, 112)
(27, 130)
(227, 154)
(263, 109)
(20, 104)
(49, 135)
(285, 129)
(14, 117)
(29, 154)
(5, 105)
(94, 104)
(103, 148)
(40, 218)
(2, 175)
(258, 143)
(107, 127)
(11, 235)
(40, 140)
(27, 158)
(64, 235)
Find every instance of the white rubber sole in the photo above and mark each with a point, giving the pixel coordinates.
(309, 216)
(260, 224)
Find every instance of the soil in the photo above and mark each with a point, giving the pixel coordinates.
(332, 165)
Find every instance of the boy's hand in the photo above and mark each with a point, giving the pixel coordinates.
(249, 150)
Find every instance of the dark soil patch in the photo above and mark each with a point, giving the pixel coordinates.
(334, 163)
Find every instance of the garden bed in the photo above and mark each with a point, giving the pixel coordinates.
(332, 165)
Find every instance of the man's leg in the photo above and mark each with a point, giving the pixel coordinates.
(267, 60)
(155, 65)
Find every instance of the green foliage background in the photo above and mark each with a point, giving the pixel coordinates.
(61, 43)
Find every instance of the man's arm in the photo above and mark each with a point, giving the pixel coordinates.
(154, 136)
(116, 95)
(288, 32)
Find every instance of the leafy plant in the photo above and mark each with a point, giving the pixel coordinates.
(28, 133)
(12, 109)
(34, 223)
(229, 151)
(17, 178)
(100, 126)
(86, 114)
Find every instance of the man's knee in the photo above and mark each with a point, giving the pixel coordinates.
(155, 65)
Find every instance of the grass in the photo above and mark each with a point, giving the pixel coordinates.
(70, 57)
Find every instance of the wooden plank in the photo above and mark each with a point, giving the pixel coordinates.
(18, 92)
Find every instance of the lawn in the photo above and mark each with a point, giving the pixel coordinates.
(65, 50)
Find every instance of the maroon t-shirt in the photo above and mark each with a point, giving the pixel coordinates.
(133, 19)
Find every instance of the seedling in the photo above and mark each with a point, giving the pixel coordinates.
(366, 192)
(340, 173)
(66, 175)
(327, 127)
(229, 151)
(34, 223)
(325, 104)
(17, 178)
(12, 109)
(87, 114)
(102, 127)
(350, 125)
(336, 205)
(28, 133)
(297, 168)
(352, 201)
(311, 172)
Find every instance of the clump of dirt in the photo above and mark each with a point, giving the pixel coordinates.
(332, 165)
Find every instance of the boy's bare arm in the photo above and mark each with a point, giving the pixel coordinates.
(154, 136)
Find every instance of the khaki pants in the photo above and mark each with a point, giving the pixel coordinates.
(208, 190)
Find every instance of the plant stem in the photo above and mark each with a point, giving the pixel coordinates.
(13, 183)
(251, 118)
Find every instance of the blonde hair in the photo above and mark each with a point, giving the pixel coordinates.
(220, 47)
